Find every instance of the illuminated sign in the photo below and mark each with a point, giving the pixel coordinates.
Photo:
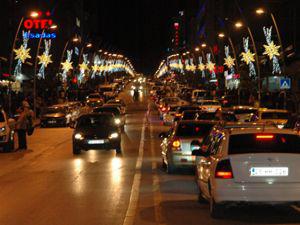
(39, 27)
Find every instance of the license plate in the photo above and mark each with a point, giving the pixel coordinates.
(269, 171)
(93, 142)
(52, 121)
(187, 153)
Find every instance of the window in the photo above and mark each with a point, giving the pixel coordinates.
(193, 130)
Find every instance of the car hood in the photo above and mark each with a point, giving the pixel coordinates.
(53, 115)
(100, 132)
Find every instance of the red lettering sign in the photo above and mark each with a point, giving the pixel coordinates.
(37, 23)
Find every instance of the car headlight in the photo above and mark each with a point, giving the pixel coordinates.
(117, 121)
(2, 130)
(280, 126)
(114, 135)
(78, 136)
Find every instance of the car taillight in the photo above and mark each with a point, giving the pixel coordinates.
(264, 136)
(224, 170)
(175, 144)
(164, 109)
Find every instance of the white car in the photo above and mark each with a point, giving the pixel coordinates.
(243, 113)
(248, 165)
(277, 116)
(209, 105)
(168, 117)
(7, 133)
(198, 95)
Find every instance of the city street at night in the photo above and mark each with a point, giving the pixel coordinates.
(162, 112)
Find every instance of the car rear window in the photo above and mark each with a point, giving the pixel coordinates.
(115, 111)
(207, 116)
(264, 143)
(245, 111)
(275, 115)
(193, 130)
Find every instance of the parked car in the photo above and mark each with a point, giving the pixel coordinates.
(176, 144)
(96, 131)
(198, 95)
(7, 133)
(248, 166)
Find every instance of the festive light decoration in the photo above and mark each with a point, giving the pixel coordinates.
(201, 66)
(96, 68)
(229, 61)
(192, 66)
(248, 57)
(272, 50)
(67, 65)
(44, 59)
(83, 67)
(210, 66)
(21, 55)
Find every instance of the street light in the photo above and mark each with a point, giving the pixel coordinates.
(34, 14)
(197, 49)
(221, 35)
(89, 45)
(238, 24)
(260, 11)
(203, 45)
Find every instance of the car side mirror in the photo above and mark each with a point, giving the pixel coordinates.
(162, 135)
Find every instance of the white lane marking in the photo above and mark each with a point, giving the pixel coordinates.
(157, 198)
(135, 189)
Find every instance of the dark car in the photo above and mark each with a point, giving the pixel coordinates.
(55, 116)
(181, 109)
(190, 114)
(225, 116)
(96, 131)
(115, 110)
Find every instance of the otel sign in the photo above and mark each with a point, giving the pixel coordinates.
(39, 24)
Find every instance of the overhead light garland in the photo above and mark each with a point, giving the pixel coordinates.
(248, 57)
(272, 50)
(22, 54)
(83, 67)
(229, 61)
(210, 66)
(201, 66)
(192, 66)
(67, 65)
(95, 66)
(44, 59)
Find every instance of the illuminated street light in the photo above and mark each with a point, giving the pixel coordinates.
(89, 45)
(197, 49)
(53, 27)
(203, 45)
(34, 14)
(260, 11)
(75, 39)
(221, 35)
(238, 24)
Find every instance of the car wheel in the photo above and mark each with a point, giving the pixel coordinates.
(76, 150)
(216, 210)
(119, 149)
(9, 147)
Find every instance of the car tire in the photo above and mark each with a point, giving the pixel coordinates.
(119, 149)
(216, 210)
(10, 146)
(76, 150)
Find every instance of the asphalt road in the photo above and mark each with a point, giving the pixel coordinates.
(48, 185)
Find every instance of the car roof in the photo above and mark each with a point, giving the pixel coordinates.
(197, 122)
(266, 130)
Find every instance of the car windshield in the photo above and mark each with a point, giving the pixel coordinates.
(106, 89)
(94, 96)
(2, 119)
(54, 110)
(199, 94)
(264, 143)
(112, 110)
(189, 115)
(275, 115)
(193, 130)
(245, 111)
(207, 116)
(95, 121)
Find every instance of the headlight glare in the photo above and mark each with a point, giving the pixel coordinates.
(117, 121)
(78, 136)
(114, 135)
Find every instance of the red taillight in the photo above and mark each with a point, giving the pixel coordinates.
(224, 170)
(264, 136)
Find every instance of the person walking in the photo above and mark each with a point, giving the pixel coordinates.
(23, 122)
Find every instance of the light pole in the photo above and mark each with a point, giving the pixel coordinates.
(33, 14)
(53, 27)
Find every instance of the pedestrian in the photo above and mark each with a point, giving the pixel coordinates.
(23, 122)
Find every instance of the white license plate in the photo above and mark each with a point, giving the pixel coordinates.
(187, 153)
(269, 171)
(94, 142)
(52, 121)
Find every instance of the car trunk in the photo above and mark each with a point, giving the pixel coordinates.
(265, 168)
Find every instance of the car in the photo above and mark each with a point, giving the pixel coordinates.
(93, 103)
(198, 95)
(219, 115)
(96, 131)
(168, 116)
(115, 110)
(108, 91)
(181, 109)
(293, 122)
(167, 102)
(118, 102)
(175, 147)
(209, 105)
(190, 115)
(278, 116)
(248, 166)
(243, 113)
(94, 97)
(7, 133)
(56, 116)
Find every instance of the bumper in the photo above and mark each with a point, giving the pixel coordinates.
(53, 122)
(280, 193)
(179, 160)
(109, 144)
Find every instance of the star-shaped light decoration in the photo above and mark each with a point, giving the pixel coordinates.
(201, 67)
(210, 66)
(66, 66)
(95, 68)
(271, 50)
(248, 57)
(22, 53)
(192, 67)
(229, 61)
(45, 59)
(83, 67)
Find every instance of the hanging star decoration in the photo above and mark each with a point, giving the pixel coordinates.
(22, 53)
(272, 50)
(229, 61)
(44, 59)
(201, 67)
(95, 68)
(67, 65)
(83, 67)
(248, 57)
(210, 66)
(192, 66)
